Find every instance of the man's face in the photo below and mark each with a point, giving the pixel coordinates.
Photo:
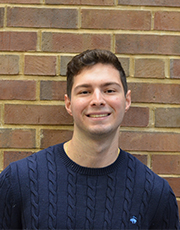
(97, 101)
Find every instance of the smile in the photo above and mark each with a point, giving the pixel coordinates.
(99, 115)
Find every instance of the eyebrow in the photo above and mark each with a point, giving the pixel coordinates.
(103, 85)
(111, 83)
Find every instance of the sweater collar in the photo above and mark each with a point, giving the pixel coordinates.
(90, 171)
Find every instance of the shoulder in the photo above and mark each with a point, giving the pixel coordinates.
(41, 155)
(137, 165)
(152, 183)
(5, 176)
(21, 173)
(31, 162)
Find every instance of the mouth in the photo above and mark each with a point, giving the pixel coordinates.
(98, 115)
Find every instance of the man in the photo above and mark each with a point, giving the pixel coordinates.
(88, 182)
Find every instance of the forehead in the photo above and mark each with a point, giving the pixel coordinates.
(97, 73)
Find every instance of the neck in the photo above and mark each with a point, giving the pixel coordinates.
(93, 153)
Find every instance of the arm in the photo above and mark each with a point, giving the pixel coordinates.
(168, 217)
(9, 208)
(5, 198)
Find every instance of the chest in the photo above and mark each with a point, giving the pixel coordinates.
(75, 201)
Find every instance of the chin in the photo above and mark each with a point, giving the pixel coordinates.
(100, 132)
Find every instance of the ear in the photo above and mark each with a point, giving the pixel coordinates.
(128, 100)
(68, 104)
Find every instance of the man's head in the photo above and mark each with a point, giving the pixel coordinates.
(90, 58)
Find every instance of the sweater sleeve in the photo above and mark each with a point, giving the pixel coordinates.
(170, 215)
(167, 216)
(9, 207)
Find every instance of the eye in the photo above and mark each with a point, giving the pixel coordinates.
(110, 91)
(84, 92)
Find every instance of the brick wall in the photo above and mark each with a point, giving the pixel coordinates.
(39, 37)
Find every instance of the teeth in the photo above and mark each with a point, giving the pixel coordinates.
(99, 115)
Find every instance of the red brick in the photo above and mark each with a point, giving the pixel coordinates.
(9, 64)
(82, 2)
(42, 17)
(21, 1)
(36, 114)
(149, 141)
(53, 137)
(11, 156)
(147, 44)
(52, 90)
(17, 138)
(166, 20)
(152, 93)
(18, 41)
(75, 43)
(149, 68)
(63, 64)
(116, 19)
(142, 158)
(1, 17)
(166, 164)
(40, 65)
(137, 117)
(167, 117)
(0, 115)
(125, 64)
(17, 90)
(175, 185)
(175, 68)
(149, 2)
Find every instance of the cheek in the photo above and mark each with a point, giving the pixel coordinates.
(78, 106)
(118, 103)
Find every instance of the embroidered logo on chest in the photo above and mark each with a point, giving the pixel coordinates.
(133, 220)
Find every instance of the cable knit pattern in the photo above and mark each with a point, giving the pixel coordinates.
(128, 191)
(7, 213)
(71, 199)
(168, 212)
(34, 196)
(111, 184)
(166, 220)
(7, 208)
(48, 190)
(52, 185)
(91, 201)
(173, 201)
(5, 176)
(146, 194)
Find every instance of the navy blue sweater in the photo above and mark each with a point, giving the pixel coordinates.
(49, 191)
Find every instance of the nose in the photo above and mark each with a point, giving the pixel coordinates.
(97, 98)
